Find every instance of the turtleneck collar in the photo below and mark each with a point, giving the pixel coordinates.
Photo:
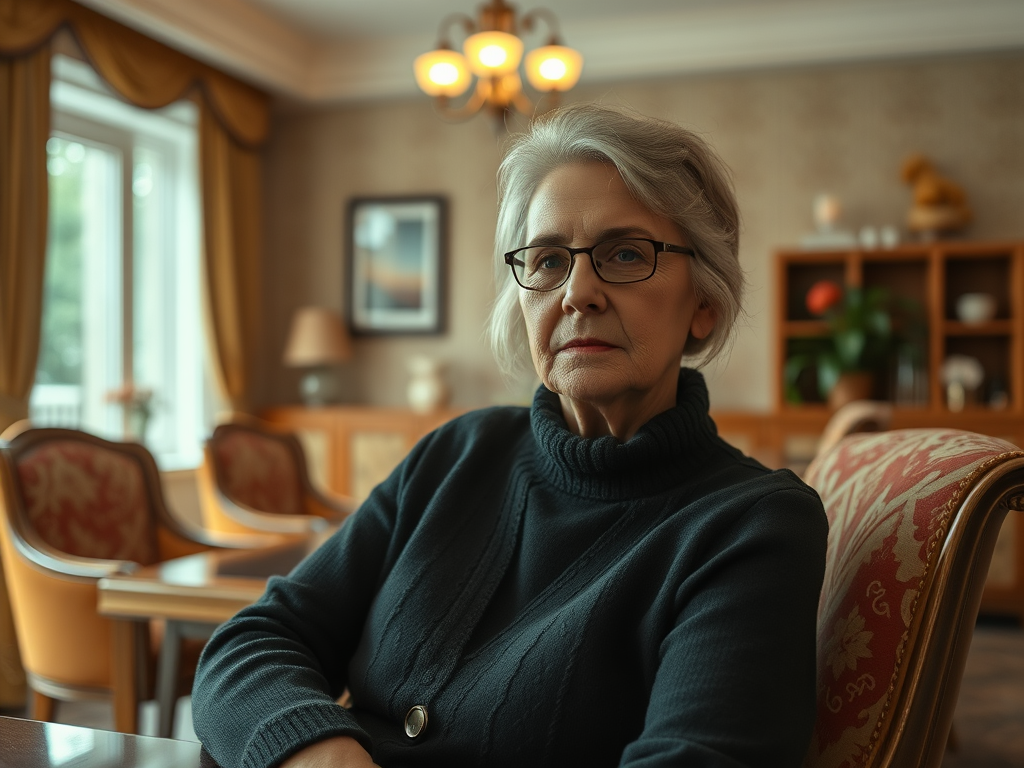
(662, 453)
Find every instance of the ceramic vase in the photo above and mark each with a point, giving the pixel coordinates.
(427, 390)
(138, 423)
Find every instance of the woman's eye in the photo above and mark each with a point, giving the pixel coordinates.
(551, 261)
(626, 255)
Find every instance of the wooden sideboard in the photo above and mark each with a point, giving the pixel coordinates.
(789, 437)
(351, 448)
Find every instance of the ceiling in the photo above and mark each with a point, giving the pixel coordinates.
(349, 50)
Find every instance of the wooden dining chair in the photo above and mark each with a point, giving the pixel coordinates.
(254, 478)
(913, 520)
(75, 508)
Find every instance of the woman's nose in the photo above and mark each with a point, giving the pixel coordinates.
(584, 291)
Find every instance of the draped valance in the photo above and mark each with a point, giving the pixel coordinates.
(144, 71)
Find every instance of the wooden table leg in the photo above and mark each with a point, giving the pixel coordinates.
(167, 679)
(168, 667)
(125, 668)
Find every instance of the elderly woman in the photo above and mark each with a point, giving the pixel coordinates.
(596, 580)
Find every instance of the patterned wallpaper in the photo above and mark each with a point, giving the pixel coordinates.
(787, 134)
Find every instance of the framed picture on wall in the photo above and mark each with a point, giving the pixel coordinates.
(396, 264)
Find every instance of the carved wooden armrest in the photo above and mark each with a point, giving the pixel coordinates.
(331, 506)
(72, 567)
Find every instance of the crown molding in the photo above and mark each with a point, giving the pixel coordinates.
(788, 33)
(232, 35)
(266, 51)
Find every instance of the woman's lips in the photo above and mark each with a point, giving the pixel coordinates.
(586, 345)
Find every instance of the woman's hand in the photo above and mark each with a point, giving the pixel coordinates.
(336, 752)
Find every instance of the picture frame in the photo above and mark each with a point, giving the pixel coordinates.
(397, 254)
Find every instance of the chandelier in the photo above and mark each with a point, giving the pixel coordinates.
(492, 51)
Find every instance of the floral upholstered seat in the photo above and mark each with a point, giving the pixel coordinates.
(258, 471)
(75, 508)
(254, 478)
(89, 502)
(913, 518)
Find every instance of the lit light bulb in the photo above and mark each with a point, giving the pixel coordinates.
(493, 53)
(493, 56)
(553, 69)
(444, 73)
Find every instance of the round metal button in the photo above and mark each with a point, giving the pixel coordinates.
(416, 721)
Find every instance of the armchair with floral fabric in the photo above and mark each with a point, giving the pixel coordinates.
(254, 478)
(75, 508)
(913, 520)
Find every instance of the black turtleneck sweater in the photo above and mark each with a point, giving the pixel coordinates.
(548, 600)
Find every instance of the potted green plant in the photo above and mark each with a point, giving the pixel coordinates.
(856, 348)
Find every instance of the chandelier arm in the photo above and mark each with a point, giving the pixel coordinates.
(467, 110)
(530, 19)
(468, 26)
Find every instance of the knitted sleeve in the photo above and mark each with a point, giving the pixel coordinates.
(735, 683)
(269, 678)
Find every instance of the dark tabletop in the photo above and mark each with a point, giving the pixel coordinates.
(32, 744)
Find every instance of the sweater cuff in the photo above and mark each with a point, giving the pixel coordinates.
(288, 732)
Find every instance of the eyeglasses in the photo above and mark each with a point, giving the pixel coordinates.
(624, 260)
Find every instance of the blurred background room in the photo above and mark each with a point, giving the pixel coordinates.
(250, 207)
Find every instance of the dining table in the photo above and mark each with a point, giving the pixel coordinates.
(192, 595)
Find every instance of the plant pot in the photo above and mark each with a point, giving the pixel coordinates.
(852, 385)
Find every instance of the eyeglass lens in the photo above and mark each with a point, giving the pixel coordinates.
(544, 267)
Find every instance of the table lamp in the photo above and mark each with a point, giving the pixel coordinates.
(317, 341)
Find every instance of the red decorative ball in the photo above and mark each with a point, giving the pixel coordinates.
(822, 296)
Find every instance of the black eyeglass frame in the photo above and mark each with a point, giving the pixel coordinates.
(659, 247)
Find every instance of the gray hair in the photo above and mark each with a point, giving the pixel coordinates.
(673, 172)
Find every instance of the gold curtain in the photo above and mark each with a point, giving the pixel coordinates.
(235, 122)
(24, 130)
(231, 196)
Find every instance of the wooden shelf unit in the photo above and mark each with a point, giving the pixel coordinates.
(932, 276)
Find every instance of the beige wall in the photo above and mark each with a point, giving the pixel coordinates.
(787, 134)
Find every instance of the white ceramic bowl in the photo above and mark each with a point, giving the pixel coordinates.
(976, 307)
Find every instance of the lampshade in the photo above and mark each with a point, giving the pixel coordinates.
(553, 68)
(442, 72)
(317, 337)
(493, 54)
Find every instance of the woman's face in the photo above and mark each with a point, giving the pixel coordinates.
(611, 351)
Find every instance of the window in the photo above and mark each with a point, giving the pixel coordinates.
(122, 349)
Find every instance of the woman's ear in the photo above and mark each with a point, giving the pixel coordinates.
(703, 321)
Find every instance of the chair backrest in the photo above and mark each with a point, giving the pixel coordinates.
(259, 468)
(85, 496)
(853, 418)
(913, 516)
